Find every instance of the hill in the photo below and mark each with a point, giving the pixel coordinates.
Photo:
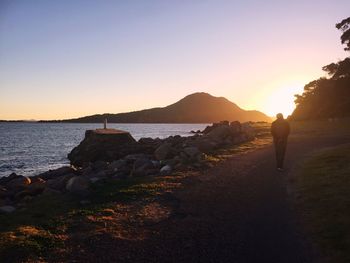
(194, 108)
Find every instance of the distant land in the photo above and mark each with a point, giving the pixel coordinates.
(195, 108)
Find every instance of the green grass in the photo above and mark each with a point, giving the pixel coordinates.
(323, 199)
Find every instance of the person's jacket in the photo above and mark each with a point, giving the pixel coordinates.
(280, 129)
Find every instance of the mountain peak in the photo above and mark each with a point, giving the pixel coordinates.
(199, 107)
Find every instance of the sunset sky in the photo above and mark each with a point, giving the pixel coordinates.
(63, 59)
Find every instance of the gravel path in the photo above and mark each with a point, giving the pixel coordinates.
(238, 211)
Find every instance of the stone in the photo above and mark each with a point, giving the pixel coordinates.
(166, 170)
(220, 133)
(3, 192)
(50, 191)
(116, 165)
(59, 183)
(163, 152)
(37, 187)
(4, 180)
(104, 145)
(143, 167)
(99, 165)
(192, 152)
(7, 209)
(51, 174)
(78, 185)
(18, 183)
(235, 126)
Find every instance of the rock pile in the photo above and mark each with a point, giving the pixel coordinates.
(115, 154)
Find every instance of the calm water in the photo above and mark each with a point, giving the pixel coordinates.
(31, 148)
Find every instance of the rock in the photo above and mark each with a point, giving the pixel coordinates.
(235, 126)
(143, 167)
(163, 152)
(59, 183)
(37, 187)
(99, 165)
(52, 174)
(104, 145)
(7, 209)
(116, 165)
(4, 180)
(18, 183)
(3, 192)
(205, 144)
(192, 152)
(166, 170)
(50, 191)
(78, 185)
(248, 130)
(220, 133)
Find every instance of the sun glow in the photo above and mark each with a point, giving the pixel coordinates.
(278, 97)
(282, 100)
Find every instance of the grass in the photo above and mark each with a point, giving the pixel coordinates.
(323, 199)
(41, 229)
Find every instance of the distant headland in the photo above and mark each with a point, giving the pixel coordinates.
(195, 108)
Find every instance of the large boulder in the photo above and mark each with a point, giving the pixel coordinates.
(163, 152)
(59, 183)
(220, 132)
(103, 145)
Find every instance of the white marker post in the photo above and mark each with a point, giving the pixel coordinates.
(105, 124)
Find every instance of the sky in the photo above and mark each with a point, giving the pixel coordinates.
(71, 58)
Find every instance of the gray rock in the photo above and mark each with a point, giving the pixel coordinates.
(116, 165)
(166, 170)
(51, 174)
(59, 183)
(192, 152)
(220, 133)
(235, 126)
(50, 191)
(143, 167)
(163, 152)
(99, 165)
(78, 185)
(7, 209)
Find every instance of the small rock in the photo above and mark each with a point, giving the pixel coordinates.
(7, 209)
(166, 170)
(78, 185)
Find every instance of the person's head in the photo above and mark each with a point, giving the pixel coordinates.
(279, 116)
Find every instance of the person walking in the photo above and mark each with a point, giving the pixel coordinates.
(280, 130)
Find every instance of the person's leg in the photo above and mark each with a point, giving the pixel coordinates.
(279, 154)
(282, 153)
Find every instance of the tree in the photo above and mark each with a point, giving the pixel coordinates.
(344, 26)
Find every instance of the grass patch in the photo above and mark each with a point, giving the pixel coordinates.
(40, 229)
(323, 199)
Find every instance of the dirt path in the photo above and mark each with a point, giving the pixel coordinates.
(235, 212)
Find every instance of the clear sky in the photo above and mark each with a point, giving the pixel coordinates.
(63, 59)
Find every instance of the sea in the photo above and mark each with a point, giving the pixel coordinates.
(30, 148)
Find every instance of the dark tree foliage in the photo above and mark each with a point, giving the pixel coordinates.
(328, 97)
(344, 26)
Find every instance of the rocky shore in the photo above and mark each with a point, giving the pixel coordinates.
(113, 154)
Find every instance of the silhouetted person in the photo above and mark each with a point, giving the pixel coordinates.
(280, 130)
